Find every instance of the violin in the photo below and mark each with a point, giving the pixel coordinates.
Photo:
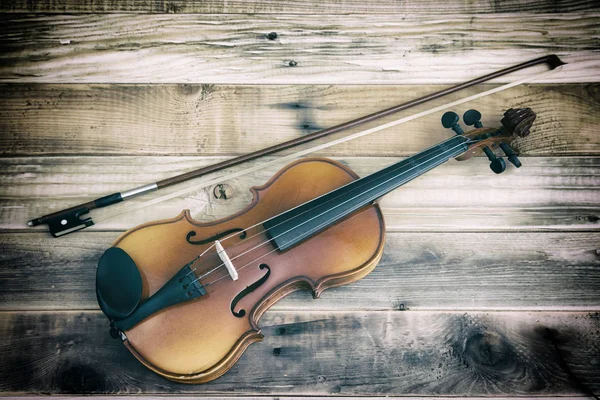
(186, 297)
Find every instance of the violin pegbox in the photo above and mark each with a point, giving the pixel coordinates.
(516, 123)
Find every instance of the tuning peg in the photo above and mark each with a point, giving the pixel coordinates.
(510, 154)
(450, 120)
(473, 117)
(497, 164)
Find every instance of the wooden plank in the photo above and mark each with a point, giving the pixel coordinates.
(179, 396)
(79, 119)
(324, 353)
(547, 193)
(296, 6)
(419, 271)
(186, 48)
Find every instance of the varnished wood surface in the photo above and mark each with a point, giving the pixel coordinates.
(338, 49)
(488, 286)
(197, 352)
(386, 353)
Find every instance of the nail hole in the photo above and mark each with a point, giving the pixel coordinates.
(272, 36)
(292, 63)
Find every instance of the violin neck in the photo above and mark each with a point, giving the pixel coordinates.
(293, 226)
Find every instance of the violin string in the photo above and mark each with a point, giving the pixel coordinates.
(308, 210)
(310, 232)
(329, 144)
(338, 141)
(318, 215)
(307, 234)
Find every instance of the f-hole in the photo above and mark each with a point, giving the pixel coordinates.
(211, 239)
(248, 290)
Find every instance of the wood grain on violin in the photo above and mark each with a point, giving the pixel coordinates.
(201, 339)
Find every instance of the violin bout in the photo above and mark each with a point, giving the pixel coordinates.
(199, 339)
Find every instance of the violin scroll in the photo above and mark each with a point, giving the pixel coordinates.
(519, 121)
(516, 123)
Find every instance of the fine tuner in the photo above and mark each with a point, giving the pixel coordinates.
(517, 121)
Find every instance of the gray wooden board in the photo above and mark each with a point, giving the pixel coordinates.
(303, 397)
(297, 6)
(384, 49)
(546, 193)
(418, 271)
(488, 285)
(324, 353)
(213, 120)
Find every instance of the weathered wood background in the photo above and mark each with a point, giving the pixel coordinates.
(489, 285)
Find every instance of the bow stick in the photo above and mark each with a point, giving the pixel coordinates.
(69, 220)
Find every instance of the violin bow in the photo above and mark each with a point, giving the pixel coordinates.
(70, 219)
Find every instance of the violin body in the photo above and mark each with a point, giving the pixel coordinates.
(186, 297)
(198, 340)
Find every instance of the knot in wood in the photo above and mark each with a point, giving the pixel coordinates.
(223, 191)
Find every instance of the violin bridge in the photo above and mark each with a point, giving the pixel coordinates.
(226, 260)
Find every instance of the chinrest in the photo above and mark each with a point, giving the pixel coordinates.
(118, 284)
